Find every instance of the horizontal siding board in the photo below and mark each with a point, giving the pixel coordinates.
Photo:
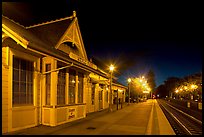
(4, 90)
(5, 77)
(4, 84)
(4, 116)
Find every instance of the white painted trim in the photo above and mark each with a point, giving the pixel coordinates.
(16, 37)
(64, 35)
(49, 22)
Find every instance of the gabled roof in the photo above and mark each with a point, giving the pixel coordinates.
(51, 32)
(35, 43)
(21, 30)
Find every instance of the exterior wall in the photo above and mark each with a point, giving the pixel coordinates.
(11, 115)
(5, 89)
(21, 117)
(120, 91)
(63, 114)
(27, 114)
(105, 101)
(70, 113)
(85, 92)
(96, 79)
(88, 97)
(49, 111)
(53, 114)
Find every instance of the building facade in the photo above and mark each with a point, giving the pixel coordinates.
(46, 75)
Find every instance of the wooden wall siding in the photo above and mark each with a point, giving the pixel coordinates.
(81, 111)
(61, 115)
(85, 89)
(38, 99)
(5, 72)
(88, 97)
(96, 108)
(46, 117)
(22, 118)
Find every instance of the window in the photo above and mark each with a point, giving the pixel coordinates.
(80, 88)
(48, 83)
(22, 82)
(61, 83)
(92, 93)
(72, 85)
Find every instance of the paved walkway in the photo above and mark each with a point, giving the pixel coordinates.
(144, 118)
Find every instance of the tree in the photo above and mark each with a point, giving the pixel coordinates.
(151, 80)
(161, 90)
(171, 83)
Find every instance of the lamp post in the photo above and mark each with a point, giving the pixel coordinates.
(129, 80)
(111, 72)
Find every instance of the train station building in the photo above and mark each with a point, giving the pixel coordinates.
(47, 77)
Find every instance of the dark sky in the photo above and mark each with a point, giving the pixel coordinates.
(135, 37)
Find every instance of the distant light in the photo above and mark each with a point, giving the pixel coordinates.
(145, 91)
(193, 86)
(158, 95)
(73, 81)
(111, 67)
(176, 91)
(140, 80)
(129, 80)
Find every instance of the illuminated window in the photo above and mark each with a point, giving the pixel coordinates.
(22, 82)
(61, 86)
(48, 83)
(80, 88)
(72, 86)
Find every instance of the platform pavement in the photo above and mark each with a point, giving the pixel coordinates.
(145, 118)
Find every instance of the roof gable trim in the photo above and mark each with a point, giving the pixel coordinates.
(73, 34)
(49, 22)
(20, 40)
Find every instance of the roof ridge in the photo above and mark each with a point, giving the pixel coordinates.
(17, 23)
(49, 22)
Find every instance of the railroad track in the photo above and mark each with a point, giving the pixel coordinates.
(181, 122)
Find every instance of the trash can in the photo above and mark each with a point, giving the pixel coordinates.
(199, 105)
(188, 104)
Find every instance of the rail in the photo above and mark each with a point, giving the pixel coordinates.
(181, 122)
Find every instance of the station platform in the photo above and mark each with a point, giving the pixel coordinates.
(158, 123)
(144, 118)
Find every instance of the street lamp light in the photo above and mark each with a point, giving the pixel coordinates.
(111, 72)
(129, 80)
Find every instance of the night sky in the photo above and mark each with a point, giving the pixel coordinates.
(135, 37)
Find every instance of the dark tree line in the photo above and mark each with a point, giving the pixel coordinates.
(183, 85)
